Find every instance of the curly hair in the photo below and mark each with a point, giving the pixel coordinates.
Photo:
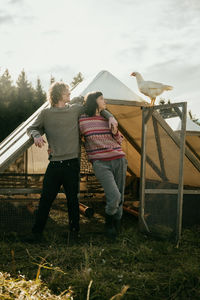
(56, 91)
(91, 103)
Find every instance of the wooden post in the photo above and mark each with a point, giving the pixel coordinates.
(26, 167)
(159, 148)
(143, 169)
(181, 166)
(131, 140)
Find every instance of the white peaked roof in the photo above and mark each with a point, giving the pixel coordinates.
(175, 124)
(111, 87)
(18, 141)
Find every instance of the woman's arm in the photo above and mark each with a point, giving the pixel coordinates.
(117, 136)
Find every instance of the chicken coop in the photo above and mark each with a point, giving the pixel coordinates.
(163, 174)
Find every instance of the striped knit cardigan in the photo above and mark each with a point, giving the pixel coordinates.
(100, 143)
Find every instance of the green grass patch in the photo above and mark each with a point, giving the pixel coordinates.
(133, 267)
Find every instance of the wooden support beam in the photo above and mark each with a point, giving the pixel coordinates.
(192, 150)
(176, 140)
(181, 172)
(19, 191)
(148, 115)
(26, 191)
(178, 111)
(166, 106)
(159, 148)
(22, 191)
(131, 211)
(171, 191)
(130, 171)
(131, 140)
(143, 172)
(126, 103)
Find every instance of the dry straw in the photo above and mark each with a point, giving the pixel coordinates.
(23, 289)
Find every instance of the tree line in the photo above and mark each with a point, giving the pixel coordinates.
(19, 101)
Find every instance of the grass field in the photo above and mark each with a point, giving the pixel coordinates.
(135, 266)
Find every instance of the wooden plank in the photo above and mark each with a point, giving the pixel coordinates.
(148, 115)
(178, 111)
(143, 172)
(192, 150)
(131, 211)
(126, 103)
(161, 191)
(22, 191)
(196, 133)
(191, 133)
(171, 191)
(159, 148)
(18, 191)
(171, 105)
(130, 171)
(21, 174)
(194, 192)
(176, 140)
(181, 169)
(26, 191)
(138, 149)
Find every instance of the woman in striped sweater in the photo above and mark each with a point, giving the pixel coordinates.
(103, 147)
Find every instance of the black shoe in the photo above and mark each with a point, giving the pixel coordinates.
(109, 227)
(35, 238)
(73, 237)
(117, 224)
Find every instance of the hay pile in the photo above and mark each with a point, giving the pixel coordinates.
(23, 289)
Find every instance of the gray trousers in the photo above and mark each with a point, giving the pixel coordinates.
(112, 175)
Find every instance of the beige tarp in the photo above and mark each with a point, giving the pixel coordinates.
(130, 119)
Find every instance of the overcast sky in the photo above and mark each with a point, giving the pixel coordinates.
(158, 38)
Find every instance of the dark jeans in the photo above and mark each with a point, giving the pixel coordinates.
(60, 173)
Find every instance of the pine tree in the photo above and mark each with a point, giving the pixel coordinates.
(5, 81)
(166, 112)
(193, 118)
(7, 104)
(77, 79)
(52, 79)
(25, 89)
(7, 90)
(40, 95)
(25, 97)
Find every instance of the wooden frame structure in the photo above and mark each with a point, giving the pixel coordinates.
(147, 113)
(179, 140)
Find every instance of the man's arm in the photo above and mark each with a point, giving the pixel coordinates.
(36, 130)
(77, 100)
(104, 113)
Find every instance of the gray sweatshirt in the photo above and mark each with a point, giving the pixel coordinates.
(61, 128)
